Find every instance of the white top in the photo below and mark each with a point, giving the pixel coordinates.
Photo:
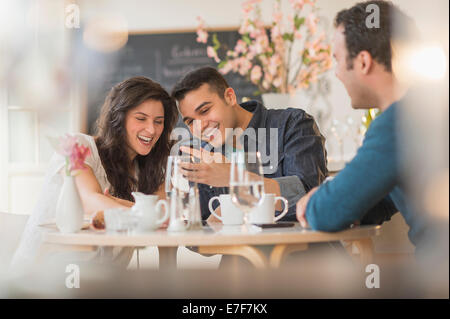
(45, 209)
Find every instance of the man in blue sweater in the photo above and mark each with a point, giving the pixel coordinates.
(364, 65)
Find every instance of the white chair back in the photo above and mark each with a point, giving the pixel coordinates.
(11, 228)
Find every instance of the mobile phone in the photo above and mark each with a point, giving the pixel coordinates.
(275, 225)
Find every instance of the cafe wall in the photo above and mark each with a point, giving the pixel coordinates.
(332, 108)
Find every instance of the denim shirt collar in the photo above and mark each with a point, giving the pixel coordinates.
(259, 113)
(258, 120)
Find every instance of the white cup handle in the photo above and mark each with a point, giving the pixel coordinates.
(158, 209)
(286, 207)
(211, 210)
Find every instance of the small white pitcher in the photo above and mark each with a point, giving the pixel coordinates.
(147, 208)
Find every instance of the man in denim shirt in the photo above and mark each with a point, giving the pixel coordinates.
(292, 148)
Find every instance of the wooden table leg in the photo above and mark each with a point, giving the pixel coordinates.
(280, 251)
(124, 257)
(365, 248)
(252, 254)
(167, 258)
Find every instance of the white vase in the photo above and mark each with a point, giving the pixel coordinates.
(69, 210)
(276, 100)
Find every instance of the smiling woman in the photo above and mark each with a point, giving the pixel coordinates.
(128, 153)
(133, 136)
(144, 125)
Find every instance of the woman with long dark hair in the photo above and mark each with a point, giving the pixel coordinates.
(128, 153)
(133, 136)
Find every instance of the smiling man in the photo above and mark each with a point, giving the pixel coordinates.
(364, 64)
(288, 139)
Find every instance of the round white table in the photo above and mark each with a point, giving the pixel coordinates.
(217, 239)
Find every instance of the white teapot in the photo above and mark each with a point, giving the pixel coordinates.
(148, 208)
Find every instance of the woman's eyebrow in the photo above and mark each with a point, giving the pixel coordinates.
(141, 113)
(144, 114)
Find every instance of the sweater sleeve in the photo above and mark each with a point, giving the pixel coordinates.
(363, 183)
(380, 213)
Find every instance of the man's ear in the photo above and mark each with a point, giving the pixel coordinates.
(230, 96)
(364, 62)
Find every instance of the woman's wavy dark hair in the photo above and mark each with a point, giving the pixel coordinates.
(111, 137)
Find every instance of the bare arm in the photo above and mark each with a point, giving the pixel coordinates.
(91, 194)
(119, 200)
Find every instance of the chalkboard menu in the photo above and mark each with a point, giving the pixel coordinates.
(163, 57)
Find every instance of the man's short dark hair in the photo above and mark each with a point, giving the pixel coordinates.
(377, 40)
(194, 79)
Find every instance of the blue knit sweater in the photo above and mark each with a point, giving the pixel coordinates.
(372, 175)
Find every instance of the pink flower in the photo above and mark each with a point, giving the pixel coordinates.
(277, 82)
(202, 35)
(261, 56)
(212, 54)
(274, 62)
(275, 31)
(244, 27)
(297, 35)
(297, 4)
(244, 66)
(66, 145)
(277, 15)
(248, 6)
(78, 156)
(74, 153)
(226, 68)
(240, 47)
(311, 22)
(253, 32)
(268, 77)
(256, 74)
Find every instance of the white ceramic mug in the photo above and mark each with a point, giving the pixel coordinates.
(231, 214)
(265, 212)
